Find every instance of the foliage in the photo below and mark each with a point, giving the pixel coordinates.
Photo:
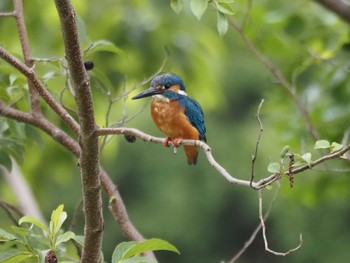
(191, 207)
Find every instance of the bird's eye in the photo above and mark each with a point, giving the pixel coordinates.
(166, 86)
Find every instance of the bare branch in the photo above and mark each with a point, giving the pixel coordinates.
(255, 232)
(262, 222)
(261, 129)
(207, 150)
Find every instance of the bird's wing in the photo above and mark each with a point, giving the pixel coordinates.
(194, 113)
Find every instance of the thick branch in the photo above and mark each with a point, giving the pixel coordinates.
(339, 7)
(89, 157)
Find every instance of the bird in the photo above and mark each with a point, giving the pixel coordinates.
(177, 115)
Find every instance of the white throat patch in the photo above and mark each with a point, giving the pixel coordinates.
(182, 92)
(160, 98)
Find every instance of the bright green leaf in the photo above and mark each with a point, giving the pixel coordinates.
(103, 45)
(58, 216)
(79, 239)
(336, 147)
(34, 221)
(176, 5)
(222, 24)
(198, 7)
(150, 245)
(307, 158)
(64, 237)
(274, 168)
(14, 256)
(121, 249)
(224, 8)
(322, 144)
(284, 151)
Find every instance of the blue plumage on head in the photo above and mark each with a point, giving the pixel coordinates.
(168, 80)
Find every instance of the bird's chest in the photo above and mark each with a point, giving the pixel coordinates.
(166, 115)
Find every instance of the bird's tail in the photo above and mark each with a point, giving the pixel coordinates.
(192, 154)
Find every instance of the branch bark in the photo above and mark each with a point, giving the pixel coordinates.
(89, 159)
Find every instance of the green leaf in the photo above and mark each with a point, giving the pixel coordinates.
(20, 231)
(224, 8)
(103, 45)
(176, 5)
(4, 235)
(322, 144)
(336, 147)
(284, 151)
(64, 237)
(5, 160)
(58, 216)
(14, 256)
(198, 7)
(222, 23)
(79, 240)
(121, 249)
(307, 158)
(152, 244)
(34, 221)
(274, 168)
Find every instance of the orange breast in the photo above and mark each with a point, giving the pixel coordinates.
(170, 118)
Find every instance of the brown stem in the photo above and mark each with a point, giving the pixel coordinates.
(40, 88)
(89, 158)
(27, 54)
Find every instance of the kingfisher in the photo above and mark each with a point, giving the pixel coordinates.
(177, 115)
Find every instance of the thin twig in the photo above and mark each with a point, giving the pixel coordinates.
(261, 129)
(256, 230)
(262, 183)
(9, 209)
(264, 233)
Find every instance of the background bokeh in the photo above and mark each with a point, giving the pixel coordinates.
(194, 208)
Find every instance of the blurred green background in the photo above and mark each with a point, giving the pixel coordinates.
(194, 208)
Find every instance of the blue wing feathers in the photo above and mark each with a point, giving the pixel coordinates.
(193, 111)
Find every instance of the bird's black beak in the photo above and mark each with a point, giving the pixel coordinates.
(146, 93)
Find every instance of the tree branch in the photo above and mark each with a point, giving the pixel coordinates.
(207, 150)
(89, 158)
(27, 54)
(41, 89)
(262, 222)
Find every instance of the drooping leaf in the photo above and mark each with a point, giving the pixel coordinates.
(5, 160)
(307, 158)
(221, 24)
(224, 8)
(103, 45)
(176, 5)
(198, 7)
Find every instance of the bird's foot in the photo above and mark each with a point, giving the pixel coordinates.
(177, 142)
(166, 141)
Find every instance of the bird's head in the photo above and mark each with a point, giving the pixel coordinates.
(161, 84)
